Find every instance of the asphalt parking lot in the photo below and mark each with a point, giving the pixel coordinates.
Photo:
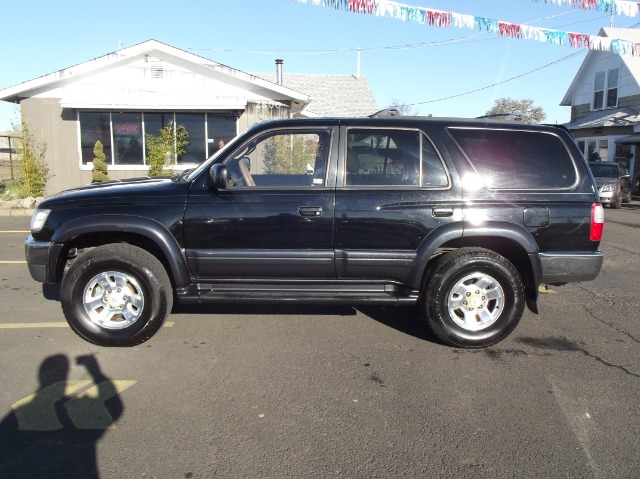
(243, 391)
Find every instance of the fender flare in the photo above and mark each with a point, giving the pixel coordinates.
(139, 225)
(510, 231)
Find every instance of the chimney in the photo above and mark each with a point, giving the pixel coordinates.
(279, 63)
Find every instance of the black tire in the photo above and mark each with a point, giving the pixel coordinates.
(472, 298)
(116, 295)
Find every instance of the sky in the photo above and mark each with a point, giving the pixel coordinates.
(435, 71)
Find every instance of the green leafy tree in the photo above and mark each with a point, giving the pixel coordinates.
(519, 109)
(286, 154)
(99, 164)
(34, 170)
(164, 149)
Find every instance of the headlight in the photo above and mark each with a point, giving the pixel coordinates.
(38, 219)
(608, 188)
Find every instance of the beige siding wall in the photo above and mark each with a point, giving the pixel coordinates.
(58, 130)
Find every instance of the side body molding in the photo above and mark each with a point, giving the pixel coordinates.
(151, 229)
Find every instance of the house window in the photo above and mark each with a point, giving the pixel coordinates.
(606, 89)
(128, 144)
(123, 134)
(594, 149)
(220, 129)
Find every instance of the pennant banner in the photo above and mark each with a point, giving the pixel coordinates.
(619, 7)
(437, 18)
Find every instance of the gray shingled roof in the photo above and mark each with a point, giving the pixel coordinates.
(332, 95)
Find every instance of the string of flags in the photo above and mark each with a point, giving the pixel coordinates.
(444, 19)
(618, 7)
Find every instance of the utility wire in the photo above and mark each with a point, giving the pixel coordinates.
(498, 83)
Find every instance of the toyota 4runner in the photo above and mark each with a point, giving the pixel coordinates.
(464, 218)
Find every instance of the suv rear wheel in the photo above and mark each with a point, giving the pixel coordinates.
(472, 298)
(116, 295)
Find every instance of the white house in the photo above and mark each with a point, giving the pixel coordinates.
(605, 103)
(119, 97)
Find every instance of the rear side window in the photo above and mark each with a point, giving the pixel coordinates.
(514, 159)
(392, 157)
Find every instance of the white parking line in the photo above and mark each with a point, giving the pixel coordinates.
(50, 324)
(12, 262)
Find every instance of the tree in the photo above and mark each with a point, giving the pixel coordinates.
(34, 169)
(99, 164)
(520, 109)
(289, 154)
(403, 108)
(164, 149)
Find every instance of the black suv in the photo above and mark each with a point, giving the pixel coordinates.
(465, 218)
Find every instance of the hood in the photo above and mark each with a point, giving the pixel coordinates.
(127, 191)
(605, 180)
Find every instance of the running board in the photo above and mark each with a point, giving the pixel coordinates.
(299, 292)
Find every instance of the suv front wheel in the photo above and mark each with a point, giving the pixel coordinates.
(472, 298)
(116, 295)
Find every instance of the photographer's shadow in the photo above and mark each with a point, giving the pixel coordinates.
(54, 432)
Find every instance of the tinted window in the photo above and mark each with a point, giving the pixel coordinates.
(511, 159)
(94, 126)
(387, 157)
(604, 170)
(281, 159)
(127, 138)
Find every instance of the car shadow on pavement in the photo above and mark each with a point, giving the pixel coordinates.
(405, 319)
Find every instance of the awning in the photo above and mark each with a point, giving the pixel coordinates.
(635, 138)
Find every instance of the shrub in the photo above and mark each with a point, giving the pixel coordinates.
(34, 169)
(164, 149)
(99, 164)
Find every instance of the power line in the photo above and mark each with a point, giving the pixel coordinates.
(498, 83)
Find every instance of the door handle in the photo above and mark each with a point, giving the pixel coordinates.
(307, 211)
(442, 212)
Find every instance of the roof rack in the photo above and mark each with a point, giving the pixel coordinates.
(501, 116)
(386, 112)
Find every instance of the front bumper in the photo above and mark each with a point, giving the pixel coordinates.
(570, 267)
(37, 255)
(608, 197)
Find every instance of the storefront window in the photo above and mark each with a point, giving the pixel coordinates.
(127, 139)
(154, 122)
(196, 149)
(94, 126)
(220, 129)
(123, 134)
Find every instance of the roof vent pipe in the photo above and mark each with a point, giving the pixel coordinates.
(279, 63)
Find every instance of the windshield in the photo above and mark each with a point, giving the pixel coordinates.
(604, 171)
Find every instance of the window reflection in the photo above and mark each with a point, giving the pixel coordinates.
(122, 134)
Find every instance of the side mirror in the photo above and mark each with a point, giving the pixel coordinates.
(218, 175)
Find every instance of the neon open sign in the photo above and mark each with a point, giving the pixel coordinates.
(126, 128)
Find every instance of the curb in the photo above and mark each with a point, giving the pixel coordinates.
(16, 212)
